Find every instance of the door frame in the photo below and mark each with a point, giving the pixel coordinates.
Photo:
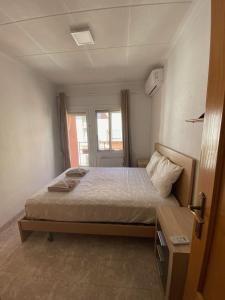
(212, 159)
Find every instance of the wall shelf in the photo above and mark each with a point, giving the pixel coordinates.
(197, 120)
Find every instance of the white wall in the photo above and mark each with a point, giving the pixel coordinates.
(96, 96)
(183, 95)
(29, 145)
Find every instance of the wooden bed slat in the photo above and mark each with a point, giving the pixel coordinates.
(145, 231)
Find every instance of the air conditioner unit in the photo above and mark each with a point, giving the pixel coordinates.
(154, 82)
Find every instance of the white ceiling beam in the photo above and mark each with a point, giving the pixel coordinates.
(94, 49)
(91, 10)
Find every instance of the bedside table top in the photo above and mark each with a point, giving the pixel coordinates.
(142, 163)
(176, 221)
(143, 160)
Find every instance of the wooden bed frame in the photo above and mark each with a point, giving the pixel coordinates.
(182, 190)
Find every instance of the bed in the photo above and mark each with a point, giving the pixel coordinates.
(107, 201)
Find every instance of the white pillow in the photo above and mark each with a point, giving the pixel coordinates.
(166, 173)
(151, 166)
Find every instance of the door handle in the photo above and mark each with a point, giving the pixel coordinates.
(196, 215)
(198, 212)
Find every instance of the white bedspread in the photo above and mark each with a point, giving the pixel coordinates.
(121, 195)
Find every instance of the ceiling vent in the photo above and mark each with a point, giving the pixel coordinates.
(82, 37)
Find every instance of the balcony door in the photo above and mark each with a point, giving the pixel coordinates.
(78, 140)
(95, 137)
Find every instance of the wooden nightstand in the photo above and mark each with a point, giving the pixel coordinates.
(173, 260)
(142, 163)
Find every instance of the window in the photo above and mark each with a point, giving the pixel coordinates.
(109, 130)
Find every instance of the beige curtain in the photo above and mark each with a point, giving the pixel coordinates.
(126, 125)
(64, 130)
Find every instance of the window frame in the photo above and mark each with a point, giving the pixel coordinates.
(109, 111)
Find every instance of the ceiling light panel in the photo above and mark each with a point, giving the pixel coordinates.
(83, 37)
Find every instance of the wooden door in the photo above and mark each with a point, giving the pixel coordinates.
(206, 272)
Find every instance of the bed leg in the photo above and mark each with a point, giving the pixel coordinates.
(50, 237)
(24, 234)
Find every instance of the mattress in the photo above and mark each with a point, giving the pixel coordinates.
(113, 195)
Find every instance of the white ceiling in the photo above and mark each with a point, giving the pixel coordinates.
(131, 36)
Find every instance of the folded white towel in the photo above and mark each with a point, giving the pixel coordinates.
(65, 185)
(78, 172)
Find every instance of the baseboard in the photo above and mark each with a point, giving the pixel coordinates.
(18, 216)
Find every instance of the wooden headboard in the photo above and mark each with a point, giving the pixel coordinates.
(183, 188)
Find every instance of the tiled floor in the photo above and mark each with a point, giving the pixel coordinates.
(77, 267)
